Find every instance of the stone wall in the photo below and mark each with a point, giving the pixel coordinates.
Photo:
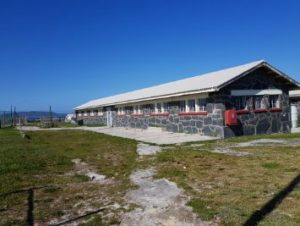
(127, 121)
(92, 120)
(210, 124)
(259, 123)
(255, 122)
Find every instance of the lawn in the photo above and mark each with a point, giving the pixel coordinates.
(229, 189)
(222, 188)
(44, 160)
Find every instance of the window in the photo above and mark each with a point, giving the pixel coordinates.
(261, 102)
(128, 110)
(137, 109)
(248, 103)
(244, 103)
(88, 113)
(158, 107)
(176, 106)
(275, 101)
(257, 102)
(99, 112)
(165, 107)
(202, 104)
(148, 108)
(191, 105)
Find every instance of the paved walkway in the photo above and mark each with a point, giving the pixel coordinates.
(150, 135)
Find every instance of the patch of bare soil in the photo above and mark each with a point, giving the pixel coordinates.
(82, 168)
(160, 202)
(228, 151)
(271, 142)
(146, 149)
(81, 202)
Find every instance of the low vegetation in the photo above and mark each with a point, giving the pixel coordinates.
(222, 188)
(43, 160)
(229, 189)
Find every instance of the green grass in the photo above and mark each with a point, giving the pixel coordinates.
(232, 188)
(45, 159)
(202, 209)
(269, 136)
(226, 187)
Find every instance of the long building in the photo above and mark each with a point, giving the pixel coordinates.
(245, 100)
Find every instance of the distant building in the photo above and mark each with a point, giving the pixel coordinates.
(243, 100)
(70, 118)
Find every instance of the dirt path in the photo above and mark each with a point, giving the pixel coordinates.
(160, 202)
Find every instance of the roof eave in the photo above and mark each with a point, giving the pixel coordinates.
(209, 90)
(263, 63)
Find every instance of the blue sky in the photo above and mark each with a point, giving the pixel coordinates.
(66, 52)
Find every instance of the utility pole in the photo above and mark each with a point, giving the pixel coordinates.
(51, 119)
(15, 114)
(11, 116)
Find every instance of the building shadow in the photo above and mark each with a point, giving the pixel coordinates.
(259, 215)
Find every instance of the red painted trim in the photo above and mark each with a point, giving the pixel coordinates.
(137, 115)
(240, 112)
(260, 110)
(275, 110)
(193, 113)
(160, 114)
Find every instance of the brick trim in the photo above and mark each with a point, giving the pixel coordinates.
(193, 113)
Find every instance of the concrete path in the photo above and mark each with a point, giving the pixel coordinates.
(160, 202)
(150, 135)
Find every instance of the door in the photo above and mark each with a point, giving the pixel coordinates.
(109, 117)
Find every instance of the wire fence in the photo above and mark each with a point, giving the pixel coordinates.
(13, 118)
(7, 119)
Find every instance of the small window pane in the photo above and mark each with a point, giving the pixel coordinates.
(202, 104)
(192, 105)
(182, 106)
(275, 101)
(258, 101)
(158, 107)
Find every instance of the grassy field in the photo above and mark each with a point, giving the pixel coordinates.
(232, 188)
(225, 189)
(45, 159)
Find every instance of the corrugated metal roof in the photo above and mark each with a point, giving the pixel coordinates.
(209, 82)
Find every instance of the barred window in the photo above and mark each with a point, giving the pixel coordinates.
(202, 104)
(158, 106)
(275, 101)
(176, 105)
(148, 108)
(128, 110)
(192, 105)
